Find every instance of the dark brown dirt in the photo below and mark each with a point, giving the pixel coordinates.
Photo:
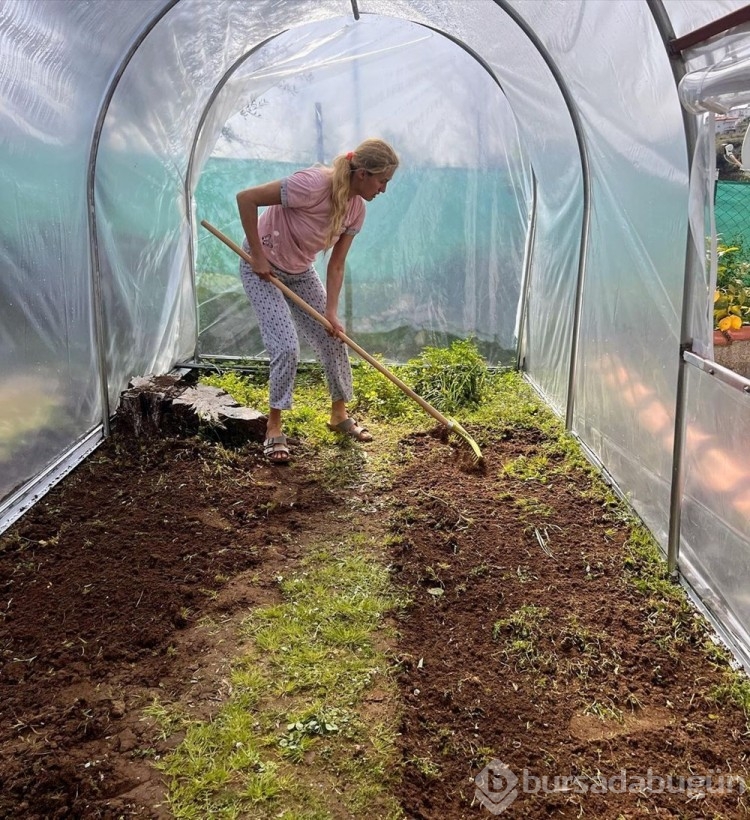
(105, 580)
(494, 545)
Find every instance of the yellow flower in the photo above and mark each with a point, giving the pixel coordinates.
(730, 323)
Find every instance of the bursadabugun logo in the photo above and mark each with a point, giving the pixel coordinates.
(495, 787)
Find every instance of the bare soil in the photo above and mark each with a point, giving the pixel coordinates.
(105, 582)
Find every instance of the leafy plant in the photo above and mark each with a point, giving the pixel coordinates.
(733, 263)
(377, 394)
(299, 734)
(731, 307)
(450, 379)
(732, 294)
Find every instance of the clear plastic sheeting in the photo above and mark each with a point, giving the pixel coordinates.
(57, 59)
(142, 212)
(715, 552)
(703, 238)
(440, 254)
(624, 400)
(124, 123)
(687, 16)
(535, 97)
(715, 511)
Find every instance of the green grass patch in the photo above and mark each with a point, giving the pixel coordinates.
(528, 468)
(672, 621)
(456, 381)
(736, 690)
(310, 413)
(297, 696)
(522, 632)
(532, 509)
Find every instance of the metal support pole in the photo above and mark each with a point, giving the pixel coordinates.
(586, 179)
(96, 290)
(528, 256)
(686, 342)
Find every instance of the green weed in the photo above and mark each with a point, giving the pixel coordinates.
(531, 509)
(425, 766)
(523, 623)
(587, 653)
(735, 690)
(522, 632)
(167, 719)
(605, 711)
(452, 378)
(528, 468)
(378, 395)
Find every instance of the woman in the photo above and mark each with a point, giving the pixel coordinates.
(312, 210)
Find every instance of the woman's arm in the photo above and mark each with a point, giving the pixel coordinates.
(335, 278)
(248, 202)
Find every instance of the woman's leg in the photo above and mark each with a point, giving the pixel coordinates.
(280, 339)
(331, 352)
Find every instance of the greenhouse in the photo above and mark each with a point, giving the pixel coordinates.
(557, 202)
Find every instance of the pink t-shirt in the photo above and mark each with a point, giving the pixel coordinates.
(295, 231)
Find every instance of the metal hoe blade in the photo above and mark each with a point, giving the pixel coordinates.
(456, 427)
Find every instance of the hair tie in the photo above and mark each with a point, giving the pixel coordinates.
(350, 155)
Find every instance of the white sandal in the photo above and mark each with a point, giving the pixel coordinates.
(275, 449)
(349, 427)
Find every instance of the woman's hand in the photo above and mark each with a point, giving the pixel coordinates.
(336, 326)
(261, 267)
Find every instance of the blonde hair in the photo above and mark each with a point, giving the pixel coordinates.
(376, 157)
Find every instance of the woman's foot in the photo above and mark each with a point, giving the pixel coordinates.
(349, 427)
(275, 449)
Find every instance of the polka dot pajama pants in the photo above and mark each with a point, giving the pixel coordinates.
(280, 320)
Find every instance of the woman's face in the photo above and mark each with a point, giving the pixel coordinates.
(368, 185)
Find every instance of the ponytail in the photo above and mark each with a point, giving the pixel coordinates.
(376, 157)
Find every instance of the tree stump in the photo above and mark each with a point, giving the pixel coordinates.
(172, 405)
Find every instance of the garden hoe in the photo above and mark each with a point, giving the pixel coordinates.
(450, 424)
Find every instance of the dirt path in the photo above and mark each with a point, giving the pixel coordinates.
(524, 648)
